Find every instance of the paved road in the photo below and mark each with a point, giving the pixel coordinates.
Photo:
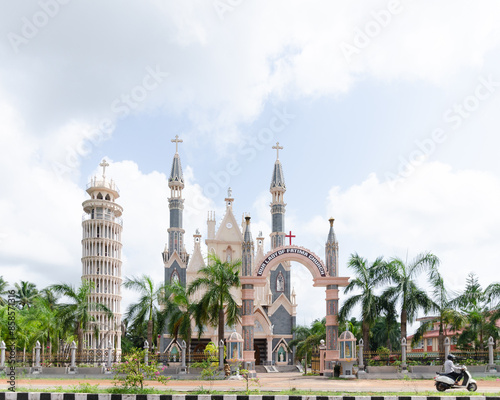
(274, 382)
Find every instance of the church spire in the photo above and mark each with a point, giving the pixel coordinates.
(247, 250)
(278, 190)
(332, 251)
(176, 178)
(176, 206)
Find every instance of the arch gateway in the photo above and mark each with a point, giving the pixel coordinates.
(267, 298)
(323, 276)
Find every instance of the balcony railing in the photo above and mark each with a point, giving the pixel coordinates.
(103, 217)
(103, 183)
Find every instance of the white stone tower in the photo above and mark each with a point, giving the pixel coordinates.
(101, 258)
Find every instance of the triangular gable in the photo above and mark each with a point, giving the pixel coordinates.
(282, 341)
(232, 234)
(175, 257)
(282, 300)
(196, 261)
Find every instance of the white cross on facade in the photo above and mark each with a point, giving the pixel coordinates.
(278, 148)
(176, 141)
(104, 164)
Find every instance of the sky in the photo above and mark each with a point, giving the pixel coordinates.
(388, 112)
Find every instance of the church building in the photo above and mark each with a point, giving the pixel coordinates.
(275, 303)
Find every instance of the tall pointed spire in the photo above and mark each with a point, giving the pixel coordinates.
(278, 179)
(247, 250)
(176, 206)
(278, 190)
(332, 251)
(176, 178)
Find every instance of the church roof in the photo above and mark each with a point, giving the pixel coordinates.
(278, 180)
(176, 171)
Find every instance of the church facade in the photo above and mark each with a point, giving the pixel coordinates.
(274, 304)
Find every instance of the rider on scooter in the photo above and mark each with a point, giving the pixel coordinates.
(451, 370)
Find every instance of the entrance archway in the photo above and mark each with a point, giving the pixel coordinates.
(322, 277)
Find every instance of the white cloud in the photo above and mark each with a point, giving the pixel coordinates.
(452, 214)
(223, 71)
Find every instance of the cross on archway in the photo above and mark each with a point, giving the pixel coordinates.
(290, 236)
(104, 164)
(176, 141)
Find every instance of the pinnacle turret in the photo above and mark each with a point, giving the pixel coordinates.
(278, 190)
(332, 251)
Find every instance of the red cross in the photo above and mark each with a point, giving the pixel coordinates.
(290, 236)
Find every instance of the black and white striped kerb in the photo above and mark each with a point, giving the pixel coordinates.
(90, 396)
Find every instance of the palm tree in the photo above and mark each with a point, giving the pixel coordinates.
(446, 314)
(306, 340)
(77, 315)
(367, 279)
(410, 297)
(3, 291)
(217, 279)
(147, 311)
(26, 293)
(181, 311)
(476, 305)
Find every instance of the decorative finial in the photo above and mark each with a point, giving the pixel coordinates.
(331, 221)
(260, 233)
(229, 193)
(347, 326)
(278, 148)
(104, 164)
(176, 141)
(197, 231)
(247, 219)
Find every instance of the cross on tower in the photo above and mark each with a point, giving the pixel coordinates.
(278, 148)
(176, 141)
(104, 164)
(290, 236)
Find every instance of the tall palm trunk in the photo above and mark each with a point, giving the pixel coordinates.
(404, 319)
(79, 334)
(365, 327)
(150, 333)
(221, 325)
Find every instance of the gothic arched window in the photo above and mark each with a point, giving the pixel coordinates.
(174, 278)
(280, 283)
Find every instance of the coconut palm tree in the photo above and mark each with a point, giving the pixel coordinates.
(181, 311)
(367, 279)
(77, 315)
(306, 339)
(148, 310)
(406, 291)
(3, 291)
(26, 293)
(217, 279)
(446, 313)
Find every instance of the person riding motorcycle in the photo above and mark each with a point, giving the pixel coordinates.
(450, 369)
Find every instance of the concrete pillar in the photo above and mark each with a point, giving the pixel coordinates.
(73, 354)
(446, 347)
(361, 367)
(146, 348)
(492, 366)
(221, 355)
(72, 349)
(183, 357)
(37, 354)
(322, 355)
(270, 349)
(2, 354)
(332, 329)
(110, 354)
(403, 355)
(247, 322)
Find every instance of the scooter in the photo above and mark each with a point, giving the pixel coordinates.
(443, 381)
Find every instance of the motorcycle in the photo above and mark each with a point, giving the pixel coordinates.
(444, 381)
